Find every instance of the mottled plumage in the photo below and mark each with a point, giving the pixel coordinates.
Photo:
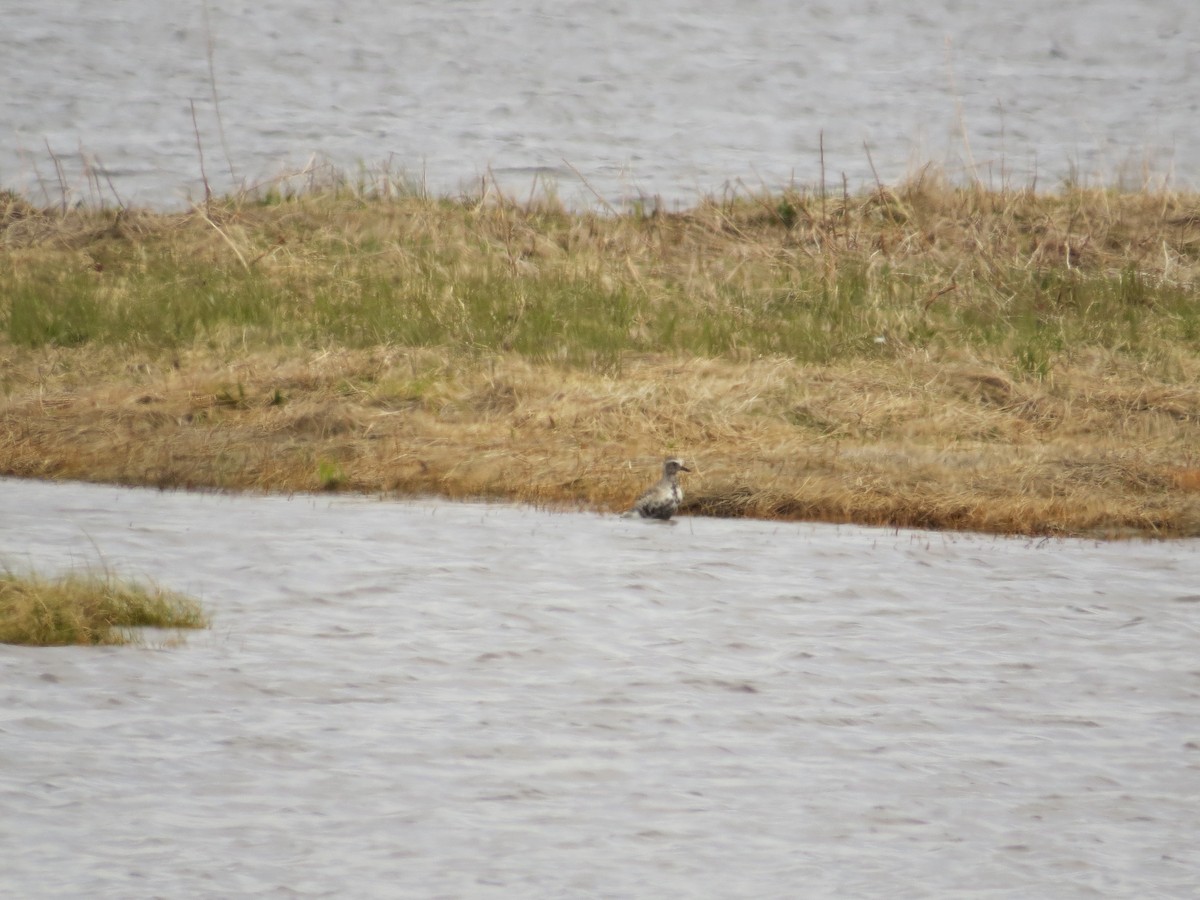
(662, 500)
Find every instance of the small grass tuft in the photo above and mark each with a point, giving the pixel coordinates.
(233, 397)
(88, 608)
(330, 475)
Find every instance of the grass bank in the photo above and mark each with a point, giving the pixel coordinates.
(926, 355)
(92, 608)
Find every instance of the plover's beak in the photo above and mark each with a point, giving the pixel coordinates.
(683, 468)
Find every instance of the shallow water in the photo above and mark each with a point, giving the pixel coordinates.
(426, 699)
(674, 99)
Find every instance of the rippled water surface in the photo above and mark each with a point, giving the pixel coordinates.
(675, 98)
(425, 699)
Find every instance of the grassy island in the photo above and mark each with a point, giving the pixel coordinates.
(88, 608)
(926, 355)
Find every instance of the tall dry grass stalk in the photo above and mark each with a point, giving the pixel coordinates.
(924, 355)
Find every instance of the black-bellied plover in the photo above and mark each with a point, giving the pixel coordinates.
(661, 501)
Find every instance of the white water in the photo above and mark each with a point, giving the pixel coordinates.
(424, 699)
(675, 98)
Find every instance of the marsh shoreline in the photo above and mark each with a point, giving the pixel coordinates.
(926, 355)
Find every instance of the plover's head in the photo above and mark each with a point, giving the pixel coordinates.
(674, 466)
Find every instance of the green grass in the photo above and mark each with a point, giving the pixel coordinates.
(92, 608)
(921, 269)
(553, 318)
(167, 306)
(330, 474)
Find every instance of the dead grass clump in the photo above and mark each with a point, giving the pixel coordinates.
(316, 419)
(87, 609)
(1185, 478)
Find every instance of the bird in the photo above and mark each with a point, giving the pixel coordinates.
(662, 499)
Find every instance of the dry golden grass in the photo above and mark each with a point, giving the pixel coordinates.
(933, 444)
(926, 355)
